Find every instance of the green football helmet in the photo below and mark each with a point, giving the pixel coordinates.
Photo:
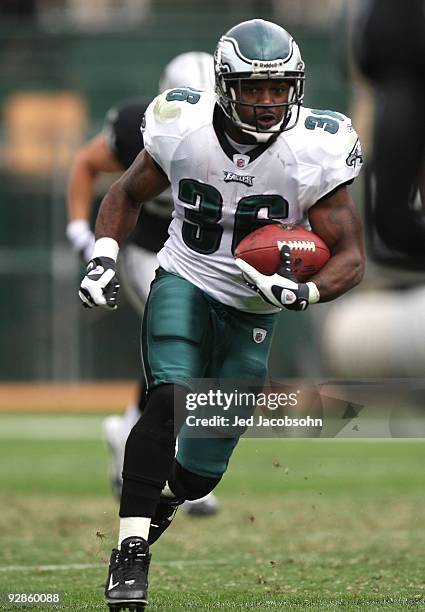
(258, 49)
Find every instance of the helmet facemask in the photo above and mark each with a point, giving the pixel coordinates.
(229, 86)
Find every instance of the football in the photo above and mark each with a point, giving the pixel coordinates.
(261, 249)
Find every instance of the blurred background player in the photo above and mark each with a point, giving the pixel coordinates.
(112, 151)
(383, 326)
(390, 50)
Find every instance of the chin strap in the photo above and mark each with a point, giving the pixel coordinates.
(260, 137)
(263, 137)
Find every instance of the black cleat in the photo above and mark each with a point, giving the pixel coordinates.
(164, 514)
(127, 584)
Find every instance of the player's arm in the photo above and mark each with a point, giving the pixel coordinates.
(143, 181)
(92, 159)
(118, 213)
(336, 220)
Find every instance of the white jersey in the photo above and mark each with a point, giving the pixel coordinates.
(221, 195)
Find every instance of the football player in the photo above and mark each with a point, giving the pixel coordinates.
(399, 128)
(357, 342)
(114, 150)
(250, 154)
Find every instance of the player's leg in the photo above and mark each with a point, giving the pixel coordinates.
(201, 462)
(175, 343)
(138, 259)
(190, 337)
(137, 270)
(175, 340)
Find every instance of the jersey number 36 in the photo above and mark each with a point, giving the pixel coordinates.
(202, 231)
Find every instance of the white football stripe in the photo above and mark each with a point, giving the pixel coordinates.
(298, 245)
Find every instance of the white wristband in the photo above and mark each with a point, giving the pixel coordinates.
(313, 293)
(106, 247)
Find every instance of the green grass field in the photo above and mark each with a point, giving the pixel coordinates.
(305, 524)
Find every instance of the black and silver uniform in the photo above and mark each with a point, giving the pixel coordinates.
(125, 141)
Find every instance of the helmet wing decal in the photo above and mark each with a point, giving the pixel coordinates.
(248, 60)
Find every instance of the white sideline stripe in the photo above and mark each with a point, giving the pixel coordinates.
(84, 566)
(47, 427)
(47, 568)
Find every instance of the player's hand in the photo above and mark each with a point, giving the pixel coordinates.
(99, 287)
(280, 289)
(81, 237)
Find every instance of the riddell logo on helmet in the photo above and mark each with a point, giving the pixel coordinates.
(274, 65)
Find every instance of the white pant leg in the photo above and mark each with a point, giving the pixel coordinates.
(136, 272)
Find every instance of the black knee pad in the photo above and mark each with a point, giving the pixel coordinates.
(157, 420)
(188, 485)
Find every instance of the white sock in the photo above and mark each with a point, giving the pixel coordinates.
(133, 527)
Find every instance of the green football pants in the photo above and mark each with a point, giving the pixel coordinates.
(187, 334)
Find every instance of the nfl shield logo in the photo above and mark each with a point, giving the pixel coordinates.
(241, 161)
(258, 334)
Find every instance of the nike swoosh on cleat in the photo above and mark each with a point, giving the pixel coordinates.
(111, 583)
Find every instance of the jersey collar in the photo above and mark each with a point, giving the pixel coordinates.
(230, 151)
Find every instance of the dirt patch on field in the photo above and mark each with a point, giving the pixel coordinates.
(81, 397)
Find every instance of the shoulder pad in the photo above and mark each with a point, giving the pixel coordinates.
(170, 117)
(177, 111)
(327, 139)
